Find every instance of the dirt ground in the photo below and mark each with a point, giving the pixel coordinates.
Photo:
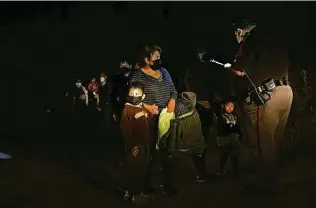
(54, 168)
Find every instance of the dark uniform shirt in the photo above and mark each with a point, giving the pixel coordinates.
(263, 55)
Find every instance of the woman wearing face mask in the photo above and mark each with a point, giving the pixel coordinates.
(160, 93)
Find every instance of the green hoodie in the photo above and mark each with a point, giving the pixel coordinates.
(185, 132)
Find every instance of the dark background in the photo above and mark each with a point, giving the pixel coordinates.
(45, 46)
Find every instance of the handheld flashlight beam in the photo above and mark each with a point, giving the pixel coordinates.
(253, 84)
(216, 62)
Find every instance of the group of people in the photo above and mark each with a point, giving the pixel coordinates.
(102, 94)
(156, 121)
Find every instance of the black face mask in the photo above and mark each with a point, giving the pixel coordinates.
(134, 100)
(156, 65)
(124, 70)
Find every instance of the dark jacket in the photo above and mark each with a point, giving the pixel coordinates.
(227, 124)
(262, 55)
(186, 132)
(105, 92)
(119, 92)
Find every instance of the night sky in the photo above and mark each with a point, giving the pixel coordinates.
(47, 45)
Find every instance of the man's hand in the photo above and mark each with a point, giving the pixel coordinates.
(114, 116)
(171, 105)
(134, 151)
(227, 65)
(238, 73)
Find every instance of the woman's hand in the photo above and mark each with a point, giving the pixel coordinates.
(171, 105)
(153, 109)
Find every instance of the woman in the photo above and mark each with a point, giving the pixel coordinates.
(160, 93)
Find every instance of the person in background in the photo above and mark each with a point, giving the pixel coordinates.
(135, 131)
(105, 92)
(120, 88)
(80, 97)
(119, 94)
(136, 66)
(228, 137)
(160, 93)
(93, 89)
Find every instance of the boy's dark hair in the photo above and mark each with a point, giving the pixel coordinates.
(222, 106)
(146, 52)
(229, 101)
(137, 84)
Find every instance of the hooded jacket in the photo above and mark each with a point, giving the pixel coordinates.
(185, 133)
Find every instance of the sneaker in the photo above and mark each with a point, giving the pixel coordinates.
(127, 195)
(200, 179)
(169, 191)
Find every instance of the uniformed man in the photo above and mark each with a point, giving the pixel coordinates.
(264, 57)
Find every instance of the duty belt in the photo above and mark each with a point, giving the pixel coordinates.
(281, 82)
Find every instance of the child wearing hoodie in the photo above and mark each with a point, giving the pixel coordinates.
(228, 137)
(135, 132)
(187, 133)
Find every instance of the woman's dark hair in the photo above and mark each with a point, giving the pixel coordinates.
(137, 84)
(146, 52)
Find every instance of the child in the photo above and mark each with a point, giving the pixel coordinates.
(135, 132)
(186, 133)
(228, 137)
